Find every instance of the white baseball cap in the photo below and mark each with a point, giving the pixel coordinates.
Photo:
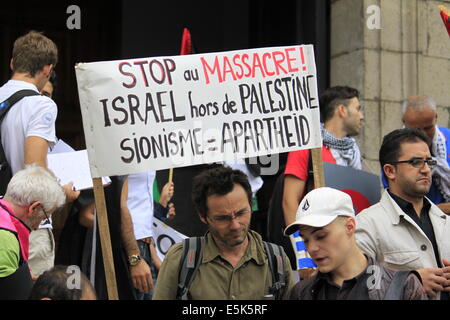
(320, 207)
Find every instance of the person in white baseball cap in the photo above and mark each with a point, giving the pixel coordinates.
(320, 207)
(326, 221)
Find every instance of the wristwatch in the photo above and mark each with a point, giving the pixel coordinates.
(134, 259)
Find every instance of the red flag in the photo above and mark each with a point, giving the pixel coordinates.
(445, 17)
(186, 43)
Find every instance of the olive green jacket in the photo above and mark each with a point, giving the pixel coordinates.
(216, 279)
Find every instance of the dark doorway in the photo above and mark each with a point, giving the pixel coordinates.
(98, 39)
(116, 29)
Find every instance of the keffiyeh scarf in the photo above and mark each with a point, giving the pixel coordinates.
(346, 147)
(441, 173)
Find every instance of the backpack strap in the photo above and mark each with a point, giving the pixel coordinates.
(396, 288)
(190, 262)
(8, 103)
(276, 265)
(5, 106)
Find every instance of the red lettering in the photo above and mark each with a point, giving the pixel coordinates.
(302, 56)
(257, 64)
(207, 68)
(227, 69)
(140, 64)
(244, 58)
(238, 75)
(265, 57)
(278, 62)
(169, 69)
(133, 82)
(289, 60)
(244, 65)
(163, 74)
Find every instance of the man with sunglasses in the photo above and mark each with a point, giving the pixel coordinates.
(405, 230)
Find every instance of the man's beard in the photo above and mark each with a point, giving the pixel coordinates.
(225, 240)
(416, 191)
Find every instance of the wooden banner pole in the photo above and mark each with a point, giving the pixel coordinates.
(105, 239)
(170, 175)
(319, 177)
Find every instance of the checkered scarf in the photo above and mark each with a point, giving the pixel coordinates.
(346, 147)
(441, 173)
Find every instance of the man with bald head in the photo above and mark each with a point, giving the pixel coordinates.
(420, 112)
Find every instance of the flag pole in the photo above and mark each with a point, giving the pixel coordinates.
(170, 175)
(186, 48)
(319, 178)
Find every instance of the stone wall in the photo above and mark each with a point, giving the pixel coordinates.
(408, 55)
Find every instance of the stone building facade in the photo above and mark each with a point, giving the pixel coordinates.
(389, 49)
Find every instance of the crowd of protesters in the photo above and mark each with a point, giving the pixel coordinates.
(397, 249)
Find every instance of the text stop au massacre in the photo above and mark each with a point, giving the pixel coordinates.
(262, 122)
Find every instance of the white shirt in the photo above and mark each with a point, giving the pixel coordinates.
(140, 203)
(31, 116)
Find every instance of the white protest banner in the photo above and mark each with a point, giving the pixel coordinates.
(166, 112)
(165, 237)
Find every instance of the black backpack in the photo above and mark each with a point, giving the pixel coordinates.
(5, 106)
(193, 254)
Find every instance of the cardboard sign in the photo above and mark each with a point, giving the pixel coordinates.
(165, 112)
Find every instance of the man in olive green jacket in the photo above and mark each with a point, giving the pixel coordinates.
(234, 264)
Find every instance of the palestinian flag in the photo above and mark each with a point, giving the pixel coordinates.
(445, 17)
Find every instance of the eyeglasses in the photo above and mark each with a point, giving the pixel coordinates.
(47, 219)
(227, 218)
(418, 162)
